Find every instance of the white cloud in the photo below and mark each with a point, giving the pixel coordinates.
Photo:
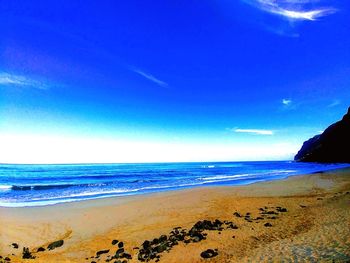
(151, 78)
(254, 131)
(293, 9)
(286, 102)
(7, 79)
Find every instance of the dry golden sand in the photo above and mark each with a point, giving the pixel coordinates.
(316, 227)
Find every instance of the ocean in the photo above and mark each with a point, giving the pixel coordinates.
(37, 185)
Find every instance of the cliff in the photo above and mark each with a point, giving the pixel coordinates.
(332, 146)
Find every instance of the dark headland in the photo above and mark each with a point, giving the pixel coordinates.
(332, 146)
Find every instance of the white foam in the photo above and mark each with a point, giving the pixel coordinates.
(5, 187)
(218, 177)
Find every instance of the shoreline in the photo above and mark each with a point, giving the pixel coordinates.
(159, 191)
(89, 226)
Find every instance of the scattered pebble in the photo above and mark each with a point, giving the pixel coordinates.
(14, 245)
(40, 249)
(55, 244)
(26, 254)
(98, 253)
(209, 253)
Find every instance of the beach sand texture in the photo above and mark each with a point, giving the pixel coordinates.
(315, 227)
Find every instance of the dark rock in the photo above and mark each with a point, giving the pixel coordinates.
(236, 214)
(161, 248)
(197, 237)
(126, 255)
(120, 251)
(163, 238)
(26, 254)
(121, 244)
(40, 249)
(14, 245)
(98, 253)
(232, 225)
(114, 242)
(146, 244)
(271, 213)
(7, 259)
(209, 253)
(55, 244)
(267, 225)
(155, 241)
(332, 146)
(281, 209)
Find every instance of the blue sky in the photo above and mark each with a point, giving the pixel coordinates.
(217, 80)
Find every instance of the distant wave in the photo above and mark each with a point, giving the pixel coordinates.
(51, 186)
(223, 178)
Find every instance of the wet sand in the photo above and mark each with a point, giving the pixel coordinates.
(315, 227)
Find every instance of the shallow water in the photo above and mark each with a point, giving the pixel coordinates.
(33, 185)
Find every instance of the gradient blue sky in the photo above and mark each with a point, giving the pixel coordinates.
(134, 81)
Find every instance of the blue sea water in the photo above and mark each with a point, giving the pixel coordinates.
(35, 185)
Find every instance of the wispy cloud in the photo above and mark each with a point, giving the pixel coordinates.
(151, 78)
(334, 103)
(289, 104)
(7, 79)
(254, 131)
(293, 9)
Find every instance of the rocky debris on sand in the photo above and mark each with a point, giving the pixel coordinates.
(265, 213)
(267, 224)
(120, 255)
(209, 253)
(26, 254)
(55, 244)
(151, 249)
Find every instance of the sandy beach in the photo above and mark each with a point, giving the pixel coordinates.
(299, 219)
